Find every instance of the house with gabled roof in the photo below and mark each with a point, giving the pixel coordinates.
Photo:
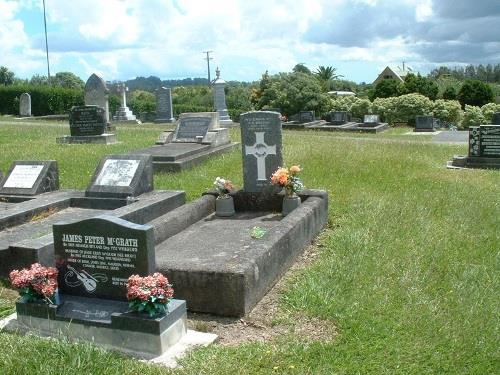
(396, 72)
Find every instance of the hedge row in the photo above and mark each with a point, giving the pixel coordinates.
(44, 100)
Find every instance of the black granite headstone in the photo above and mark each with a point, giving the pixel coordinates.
(490, 141)
(338, 118)
(96, 256)
(495, 120)
(262, 143)
(121, 176)
(191, 128)
(425, 123)
(87, 120)
(30, 178)
(306, 116)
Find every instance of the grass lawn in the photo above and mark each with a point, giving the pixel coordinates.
(408, 270)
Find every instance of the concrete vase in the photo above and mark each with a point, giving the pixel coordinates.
(224, 207)
(290, 203)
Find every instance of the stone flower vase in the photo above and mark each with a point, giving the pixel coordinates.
(290, 203)
(224, 207)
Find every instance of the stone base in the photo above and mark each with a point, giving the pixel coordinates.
(474, 162)
(300, 126)
(164, 120)
(415, 130)
(352, 127)
(134, 333)
(227, 123)
(106, 138)
(214, 262)
(124, 114)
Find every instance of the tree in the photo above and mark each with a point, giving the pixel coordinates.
(67, 80)
(38, 80)
(475, 92)
(301, 68)
(6, 76)
(387, 88)
(450, 93)
(326, 74)
(420, 85)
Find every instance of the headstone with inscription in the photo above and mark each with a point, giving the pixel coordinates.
(262, 148)
(495, 120)
(30, 178)
(97, 93)
(96, 256)
(25, 105)
(87, 120)
(424, 124)
(220, 99)
(164, 108)
(338, 117)
(306, 116)
(122, 176)
(370, 121)
(484, 141)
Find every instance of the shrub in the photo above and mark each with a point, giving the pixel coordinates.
(447, 111)
(473, 116)
(421, 85)
(142, 101)
(407, 107)
(387, 88)
(488, 110)
(360, 107)
(475, 93)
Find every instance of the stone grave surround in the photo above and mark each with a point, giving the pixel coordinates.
(30, 178)
(94, 258)
(25, 105)
(97, 93)
(164, 107)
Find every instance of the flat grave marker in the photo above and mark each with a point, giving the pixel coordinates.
(30, 178)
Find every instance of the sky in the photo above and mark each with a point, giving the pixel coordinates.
(123, 39)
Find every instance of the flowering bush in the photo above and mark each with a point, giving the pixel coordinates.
(224, 187)
(150, 294)
(35, 284)
(287, 178)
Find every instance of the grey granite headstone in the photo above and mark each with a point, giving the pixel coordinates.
(262, 148)
(25, 105)
(96, 93)
(495, 120)
(424, 123)
(371, 119)
(338, 117)
(306, 116)
(96, 256)
(122, 176)
(193, 127)
(30, 178)
(164, 109)
(87, 120)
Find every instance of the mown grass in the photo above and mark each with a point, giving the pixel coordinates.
(408, 268)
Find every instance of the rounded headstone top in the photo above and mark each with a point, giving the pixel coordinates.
(95, 82)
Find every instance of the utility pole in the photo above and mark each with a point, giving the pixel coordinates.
(208, 65)
(46, 43)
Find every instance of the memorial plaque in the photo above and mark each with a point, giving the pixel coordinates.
(25, 104)
(338, 118)
(164, 111)
(262, 154)
(306, 116)
(30, 178)
(122, 176)
(96, 256)
(424, 123)
(489, 141)
(371, 119)
(87, 120)
(190, 128)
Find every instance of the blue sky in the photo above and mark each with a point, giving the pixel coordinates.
(122, 39)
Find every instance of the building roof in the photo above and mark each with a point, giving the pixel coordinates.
(395, 72)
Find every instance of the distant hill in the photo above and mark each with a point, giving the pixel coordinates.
(151, 83)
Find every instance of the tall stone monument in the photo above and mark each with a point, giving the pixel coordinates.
(25, 105)
(123, 113)
(164, 109)
(97, 93)
(262, 156)
(220, 99)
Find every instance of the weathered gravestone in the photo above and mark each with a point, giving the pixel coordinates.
(262, 143)
(495, 120)
(96, 256)
(30, 178)
(193, 127)
(306, 116)
(220, 99)
(164, 108)
(424, 124)
(25, 105)
(97, 93)
(122, 176)
(338, 118)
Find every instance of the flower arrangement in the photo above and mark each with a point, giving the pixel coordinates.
(150, 294)
(287, 178)
(36, 284)
(224, 187)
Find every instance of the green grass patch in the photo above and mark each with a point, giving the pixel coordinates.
(408, 268)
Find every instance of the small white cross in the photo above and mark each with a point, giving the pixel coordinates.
(260, 150)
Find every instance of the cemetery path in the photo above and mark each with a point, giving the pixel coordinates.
(260, 324)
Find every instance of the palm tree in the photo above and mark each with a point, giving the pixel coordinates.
(326, 74)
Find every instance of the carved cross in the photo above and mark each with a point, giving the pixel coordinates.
(260, 150)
